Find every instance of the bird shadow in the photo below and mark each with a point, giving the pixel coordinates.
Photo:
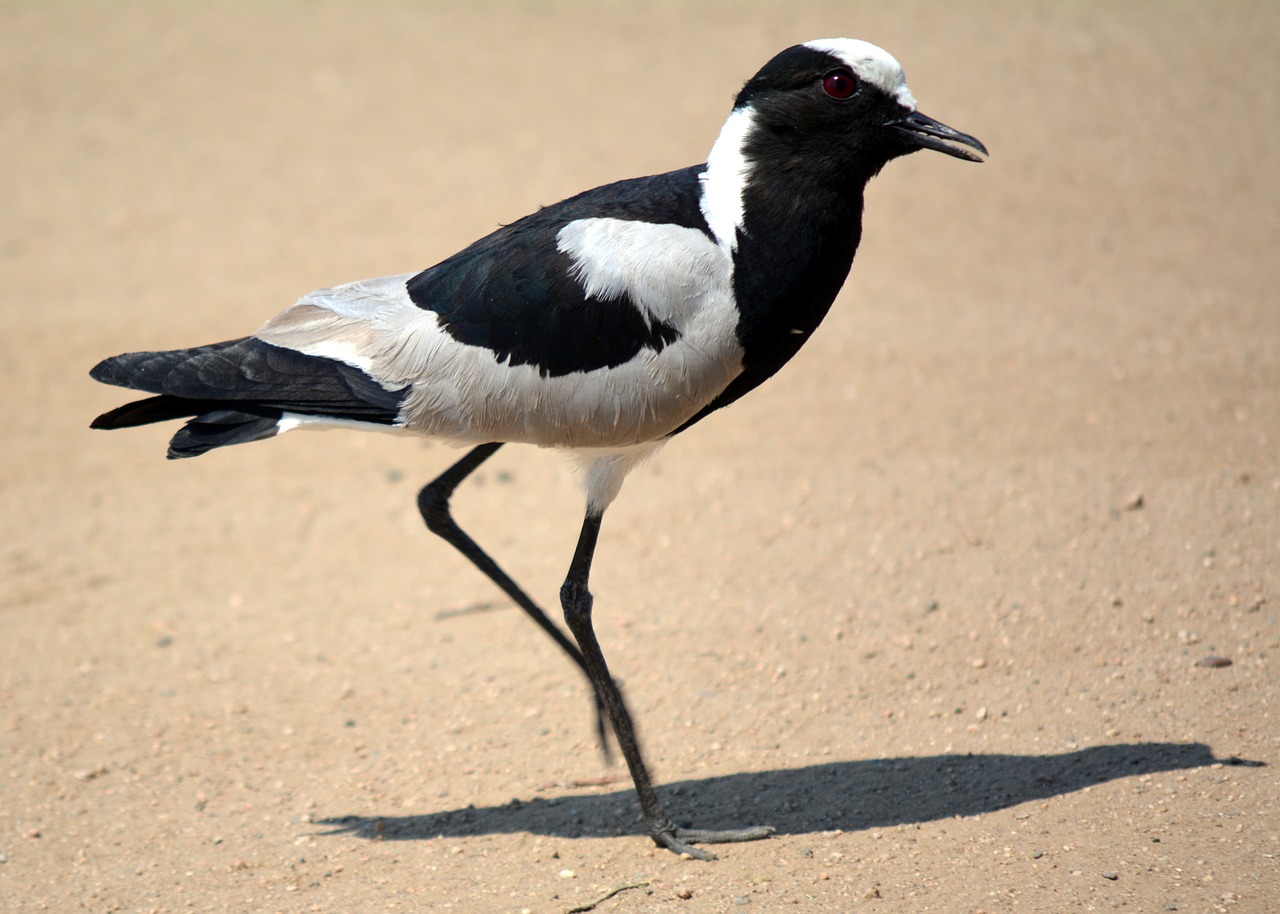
(854, 795)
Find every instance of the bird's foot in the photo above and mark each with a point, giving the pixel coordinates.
(682, 840)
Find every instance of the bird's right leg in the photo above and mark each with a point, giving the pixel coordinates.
(433, 504)
(576, 600)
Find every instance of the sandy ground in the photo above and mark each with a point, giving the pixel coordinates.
(936, 602)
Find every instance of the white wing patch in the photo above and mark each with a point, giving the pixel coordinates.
(670, 271)
(873, 64)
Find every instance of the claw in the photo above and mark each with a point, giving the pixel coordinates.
(676, 846)
(682, 840)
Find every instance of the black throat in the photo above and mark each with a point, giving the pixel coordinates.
(794, 252)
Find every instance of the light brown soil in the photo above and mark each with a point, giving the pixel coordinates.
(935, 602)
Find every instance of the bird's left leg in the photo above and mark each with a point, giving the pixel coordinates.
(433, 504)
(576, 601)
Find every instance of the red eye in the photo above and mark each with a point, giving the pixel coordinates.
(839, 84)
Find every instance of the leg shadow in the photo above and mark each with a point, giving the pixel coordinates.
(845, 795)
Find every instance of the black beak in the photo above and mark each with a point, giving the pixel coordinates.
(925, 133)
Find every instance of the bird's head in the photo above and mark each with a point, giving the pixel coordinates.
(838, 107)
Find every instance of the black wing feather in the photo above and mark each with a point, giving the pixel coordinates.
(514, 294)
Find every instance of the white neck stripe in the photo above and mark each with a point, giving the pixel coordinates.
(726, 178)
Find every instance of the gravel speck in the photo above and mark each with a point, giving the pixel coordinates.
(1213, 661)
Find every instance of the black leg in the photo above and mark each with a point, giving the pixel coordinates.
(576, 600)
(433, 503)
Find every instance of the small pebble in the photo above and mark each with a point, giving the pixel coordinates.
(1112, 876)
(566, 874)
(1213, 661)
(1037, 855)
(685, 894)
(742, 899)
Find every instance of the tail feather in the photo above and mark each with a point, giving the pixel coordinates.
(238, 391)
(152, 409)
(219, 428)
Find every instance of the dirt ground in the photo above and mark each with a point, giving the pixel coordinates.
(976, 602)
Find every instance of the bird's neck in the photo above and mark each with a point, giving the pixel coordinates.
(791, 233)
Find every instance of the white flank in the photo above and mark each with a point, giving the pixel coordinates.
(873, 64)
(463, 394)
(726, 177)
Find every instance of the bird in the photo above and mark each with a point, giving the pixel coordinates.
(601, 326)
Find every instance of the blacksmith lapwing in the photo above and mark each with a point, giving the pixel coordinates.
(603, 325)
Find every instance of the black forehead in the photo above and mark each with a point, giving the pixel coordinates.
(791, 69)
